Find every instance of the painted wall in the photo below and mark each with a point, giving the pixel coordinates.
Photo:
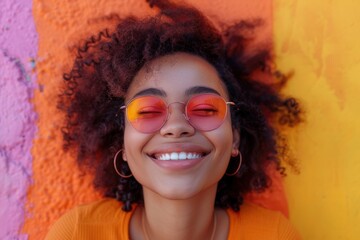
(38, 182)
(319, 40)
(18, 49)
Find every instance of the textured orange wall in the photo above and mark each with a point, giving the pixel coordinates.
(57, 183)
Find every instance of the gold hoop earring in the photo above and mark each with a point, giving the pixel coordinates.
(115, 167)
(238, 168)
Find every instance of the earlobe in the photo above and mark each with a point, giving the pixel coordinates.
(236, 139)
(234, 152)
(124, 156)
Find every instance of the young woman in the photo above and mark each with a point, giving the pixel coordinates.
(167, 112)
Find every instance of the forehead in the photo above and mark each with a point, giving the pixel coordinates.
(175, 74)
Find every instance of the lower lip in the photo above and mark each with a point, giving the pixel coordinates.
(176, 165)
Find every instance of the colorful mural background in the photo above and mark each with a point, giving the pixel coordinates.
(318, 41)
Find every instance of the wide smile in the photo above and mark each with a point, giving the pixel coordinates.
(176, 159)
(178, 156)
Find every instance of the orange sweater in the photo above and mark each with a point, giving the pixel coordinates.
(104, 219)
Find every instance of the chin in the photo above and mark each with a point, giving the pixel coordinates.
(178, 194)
(184, 191)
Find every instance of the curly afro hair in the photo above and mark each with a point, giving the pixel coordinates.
(106, 64)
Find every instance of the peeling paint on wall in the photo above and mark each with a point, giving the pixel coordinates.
(18, 45)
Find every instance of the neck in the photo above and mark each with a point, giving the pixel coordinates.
(191, 218)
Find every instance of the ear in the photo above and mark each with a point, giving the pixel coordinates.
(236, 139)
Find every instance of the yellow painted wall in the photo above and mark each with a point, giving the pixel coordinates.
(320, 41)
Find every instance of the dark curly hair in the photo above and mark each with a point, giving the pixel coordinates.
(106, 64)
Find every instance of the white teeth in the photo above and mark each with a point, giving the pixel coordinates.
(174, 156)
(177, 156)
(182, 156)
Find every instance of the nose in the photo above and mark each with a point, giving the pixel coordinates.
(177, 124)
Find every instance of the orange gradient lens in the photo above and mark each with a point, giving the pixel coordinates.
(147, 114)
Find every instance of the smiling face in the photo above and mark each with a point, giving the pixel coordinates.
(178, 161)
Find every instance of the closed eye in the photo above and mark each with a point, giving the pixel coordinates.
(204, 110)
(150, 112)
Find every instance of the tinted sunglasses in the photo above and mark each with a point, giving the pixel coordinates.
(148, 114)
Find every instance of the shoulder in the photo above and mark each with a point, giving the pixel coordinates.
(255, 222)
(103, 216)
(107, 210)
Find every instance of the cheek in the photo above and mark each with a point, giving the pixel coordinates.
(132, 148)
(222, 139)
(225, 134)
(133, 143)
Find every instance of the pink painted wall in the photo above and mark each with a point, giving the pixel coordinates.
(18, 50)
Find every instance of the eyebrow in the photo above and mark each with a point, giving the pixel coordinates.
(150, 91)
(200, 89)
(188, 92)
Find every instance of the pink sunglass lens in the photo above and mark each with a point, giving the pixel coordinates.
(206, 112)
